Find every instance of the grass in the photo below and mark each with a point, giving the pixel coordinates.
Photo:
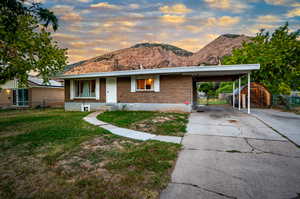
(55, 154)
(212, 101)
(160, 123)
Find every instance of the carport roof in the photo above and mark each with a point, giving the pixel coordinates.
(208, 71)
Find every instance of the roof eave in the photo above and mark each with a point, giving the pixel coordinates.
(243, 68)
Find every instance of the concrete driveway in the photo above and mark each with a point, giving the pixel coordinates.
(288, 124)
(228, 154)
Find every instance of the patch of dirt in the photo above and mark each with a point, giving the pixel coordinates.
(232, 121)
(4, 134)
(151, 125)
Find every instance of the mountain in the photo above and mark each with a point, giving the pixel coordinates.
(153, 55)
(220, 47)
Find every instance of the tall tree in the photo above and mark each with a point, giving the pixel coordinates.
(278, 55)
(25, 43)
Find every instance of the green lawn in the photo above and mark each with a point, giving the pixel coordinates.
(55, 154)
(160, 123)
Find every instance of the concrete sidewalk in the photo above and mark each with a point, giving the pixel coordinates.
(234, 155)
(287, 124)
(138, 135)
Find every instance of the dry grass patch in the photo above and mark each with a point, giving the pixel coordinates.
(160, 123)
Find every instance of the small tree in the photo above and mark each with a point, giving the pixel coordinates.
(278, 55)
(25, 43)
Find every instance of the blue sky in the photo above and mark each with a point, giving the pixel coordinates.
(92, 27)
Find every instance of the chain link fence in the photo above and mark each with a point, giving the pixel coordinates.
(286, 101)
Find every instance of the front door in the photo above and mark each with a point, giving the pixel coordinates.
(111, 90)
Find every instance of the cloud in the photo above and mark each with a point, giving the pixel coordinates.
(293, 13)
(296, 4)
(175, 9)
(84, 1)
(223, 21)
(257, 27)
(191, 44)
(72, 16)
(268, 19)
(79, 44)
(174, 19)
(279, 2)
(193, 29)
(212, 36)
(134, 6)
(64, 37)
(62, 9)
(105, 5)
(136, 15)
(232, 5)
(127, 23)
(195, 44)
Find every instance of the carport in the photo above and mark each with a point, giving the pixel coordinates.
(232, 73)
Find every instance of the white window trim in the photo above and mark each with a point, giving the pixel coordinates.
(73, 88)
(156, 84)
(133, 84)
(97, 89)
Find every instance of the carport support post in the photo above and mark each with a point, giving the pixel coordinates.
(249, 93)
(239, 93)
(233, 96)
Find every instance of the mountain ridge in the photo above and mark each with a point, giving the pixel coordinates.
(158, 55)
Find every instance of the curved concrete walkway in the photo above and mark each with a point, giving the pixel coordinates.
(138, 135)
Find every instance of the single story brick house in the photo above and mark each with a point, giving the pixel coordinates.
(158, 89)
(37, 93)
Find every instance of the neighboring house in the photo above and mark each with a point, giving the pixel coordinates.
(160, 89)
(36, 94)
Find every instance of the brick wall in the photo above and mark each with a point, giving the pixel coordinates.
(6, 98)
(53, 97)
(173, 89)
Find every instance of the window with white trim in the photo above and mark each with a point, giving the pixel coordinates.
(145, 84)
(85, 88)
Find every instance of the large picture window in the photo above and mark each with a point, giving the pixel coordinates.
(85, 88)
(145, 84)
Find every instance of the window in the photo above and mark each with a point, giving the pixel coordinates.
(85, 88)
(20, 97)
(145, 84)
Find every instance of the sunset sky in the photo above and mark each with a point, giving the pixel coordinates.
(92, 27)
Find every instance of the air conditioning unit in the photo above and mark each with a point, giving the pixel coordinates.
(85, 107)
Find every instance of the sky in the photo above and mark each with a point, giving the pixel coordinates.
(89, 28)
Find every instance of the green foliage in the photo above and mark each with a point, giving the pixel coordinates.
(278, 55)
(284, 89)
(207, 87)
(225, 87)
(25, 43)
